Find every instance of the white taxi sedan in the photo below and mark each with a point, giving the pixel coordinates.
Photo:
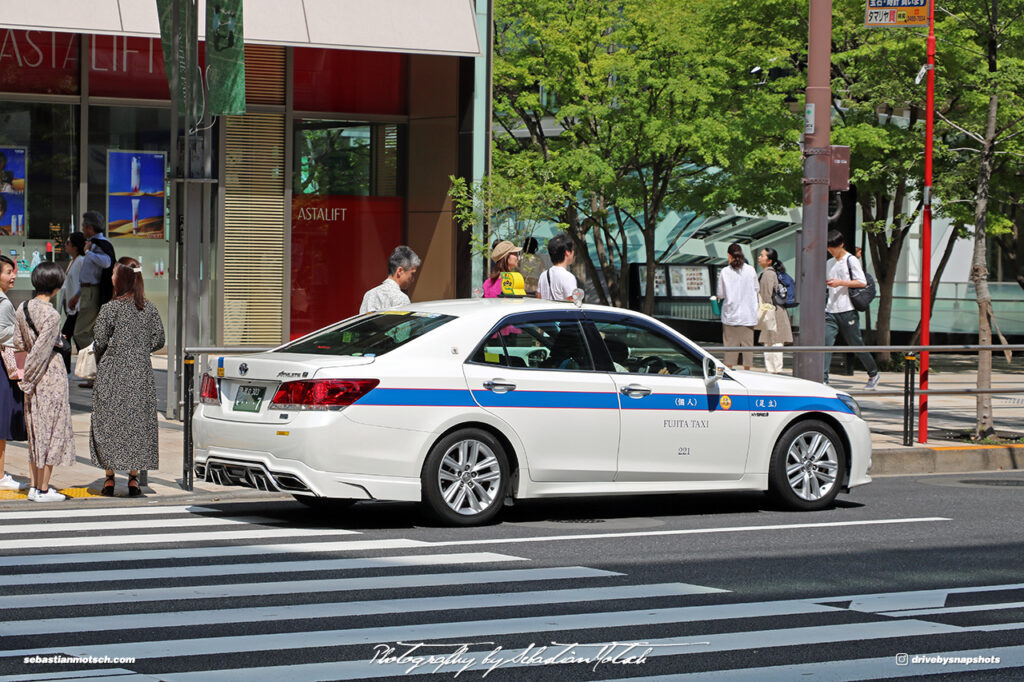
(466, 404)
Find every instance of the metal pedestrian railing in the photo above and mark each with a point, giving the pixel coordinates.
(911, 356)
(190, 377)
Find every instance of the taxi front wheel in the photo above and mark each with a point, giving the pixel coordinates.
(465, 477)
(807, 466)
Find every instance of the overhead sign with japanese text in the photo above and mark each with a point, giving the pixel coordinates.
(896, 13)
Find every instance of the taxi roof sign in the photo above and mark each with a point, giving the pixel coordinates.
(896, 13)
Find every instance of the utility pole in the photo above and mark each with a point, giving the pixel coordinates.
(817, 150)
(190, 180)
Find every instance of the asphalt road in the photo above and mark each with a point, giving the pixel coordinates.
(719, 587)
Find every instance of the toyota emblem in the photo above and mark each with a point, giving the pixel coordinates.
(243, 369)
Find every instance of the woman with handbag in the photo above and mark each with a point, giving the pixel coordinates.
(12, 417)
(45, 383)
(123, 435)
(782, 334)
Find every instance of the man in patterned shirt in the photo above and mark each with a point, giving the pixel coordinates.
(403, 266)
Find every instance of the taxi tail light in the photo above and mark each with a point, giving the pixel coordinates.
(208, 393)
(321, 394)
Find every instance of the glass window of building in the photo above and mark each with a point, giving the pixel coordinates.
(38, 173)
(348, 213)
(127, 166)
(351, 159)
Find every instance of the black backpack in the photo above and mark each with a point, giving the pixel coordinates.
(861, 298)
(106, 285)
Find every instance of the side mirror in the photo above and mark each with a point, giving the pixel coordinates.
(712, 371)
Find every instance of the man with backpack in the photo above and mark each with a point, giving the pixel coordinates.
(849, 290)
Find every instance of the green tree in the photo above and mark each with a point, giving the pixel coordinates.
(511, 202)
(986, 42)
(639, 107)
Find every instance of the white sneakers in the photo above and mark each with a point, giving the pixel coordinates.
(51, 495)
(8, 483)
(35, 495)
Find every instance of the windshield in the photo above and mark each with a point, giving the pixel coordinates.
(368, 335)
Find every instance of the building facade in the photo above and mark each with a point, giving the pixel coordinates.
(356, 116)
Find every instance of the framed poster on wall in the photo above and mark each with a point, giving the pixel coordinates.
(135, 194)
(13, 190)
(660, 283)
(690, 281)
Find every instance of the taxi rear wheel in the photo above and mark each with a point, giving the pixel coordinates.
(465, 478)
(807, 466)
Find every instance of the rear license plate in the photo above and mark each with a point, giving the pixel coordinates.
(249, 398)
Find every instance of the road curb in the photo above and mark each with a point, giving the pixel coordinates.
(155, 499)
(946, 459)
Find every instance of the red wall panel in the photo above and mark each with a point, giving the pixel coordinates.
(340, 247)
(349, 81)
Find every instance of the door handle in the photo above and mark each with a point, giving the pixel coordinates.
(635, 391)
(499, 386)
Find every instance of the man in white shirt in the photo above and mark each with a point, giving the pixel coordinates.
(557, 283)
(403, 266)
(845, 272)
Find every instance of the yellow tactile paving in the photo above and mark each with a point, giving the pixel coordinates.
(70, 492)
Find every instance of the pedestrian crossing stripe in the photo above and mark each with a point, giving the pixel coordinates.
(118, 539)
(292, 587)
(263, 614)
(104, 512)
(124, 557)
(137, 524)
(580, 600)
(70, 492)
(258, 568)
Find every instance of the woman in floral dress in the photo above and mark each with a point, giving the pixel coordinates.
(44, 383)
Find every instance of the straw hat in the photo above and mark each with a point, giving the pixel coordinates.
(502, 249)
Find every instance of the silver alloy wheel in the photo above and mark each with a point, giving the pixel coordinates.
(469, 477)
(812, 465)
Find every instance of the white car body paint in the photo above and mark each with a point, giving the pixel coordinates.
(376, 447)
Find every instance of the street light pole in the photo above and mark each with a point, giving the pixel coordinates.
(817, 141)
(926, 227)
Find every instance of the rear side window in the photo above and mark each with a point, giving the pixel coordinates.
(369, 336)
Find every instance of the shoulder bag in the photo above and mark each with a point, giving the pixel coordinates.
(765, 316)
(861, 297)
(85, 366)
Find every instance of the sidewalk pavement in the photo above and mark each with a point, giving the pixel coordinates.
(940, 454)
